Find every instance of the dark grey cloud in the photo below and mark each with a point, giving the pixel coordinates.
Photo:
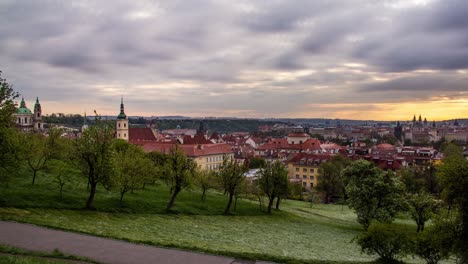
(256, 56)
(429, 37)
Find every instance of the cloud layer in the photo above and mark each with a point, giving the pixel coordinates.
(277, 58)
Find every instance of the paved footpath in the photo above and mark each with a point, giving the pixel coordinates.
(103, 250)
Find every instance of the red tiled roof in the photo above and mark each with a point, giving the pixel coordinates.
(190, 150)
(136, 134)
(310, 144)
(310, 157)
(385, 146)
(197, 139)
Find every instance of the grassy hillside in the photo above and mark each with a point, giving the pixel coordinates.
(297, 233)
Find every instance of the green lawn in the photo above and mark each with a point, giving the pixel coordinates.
(12, 255)
(299, 232)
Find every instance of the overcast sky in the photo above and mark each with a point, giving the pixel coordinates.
(356, 59)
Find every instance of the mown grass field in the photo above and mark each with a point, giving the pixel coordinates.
(297, 233)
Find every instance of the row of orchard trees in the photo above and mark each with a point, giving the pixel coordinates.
(438, 193)
(120, 166)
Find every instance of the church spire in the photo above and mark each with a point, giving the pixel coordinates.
(122, 114)
(23, 103)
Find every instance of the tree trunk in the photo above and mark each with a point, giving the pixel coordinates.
(270, 203)
(171, 202)
(121, 198)
(228, 207)
(235, 202)
(34, 177)
(92, 192)
(61, 189)
(203, 197)
(278, 201)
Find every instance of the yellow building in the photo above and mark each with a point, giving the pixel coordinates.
(207, 156)
(303, 168)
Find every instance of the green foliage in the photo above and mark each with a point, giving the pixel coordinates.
(73, 120)
(422, 206)
(372, 193)
(385, 241)
(435, 243)
(205, 179)
(255, 163)
(231, 175)
(9, 153)
(389, 139)
(219, 125)
(295, 191)
(453, 175)
(93, 151)
(38, 150)
(416, 179)
(330, 180)
(274, 182)
(8, 136)
(132, 168)
(7, 104)
(179, 172)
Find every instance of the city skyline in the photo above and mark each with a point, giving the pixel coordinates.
(380, 60)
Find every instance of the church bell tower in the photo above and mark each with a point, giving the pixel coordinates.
(122, 123)
(38, 125)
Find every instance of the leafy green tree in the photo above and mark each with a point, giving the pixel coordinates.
(273, 181)
(330, 181)
(255, 163)
(131, 170)
(178, 173)
(421, 207)
(435, 244)
(9, 143)
(61, 171)
(94, 153)
(453, 176)
(387, 242)
(372, 193)
(39, 150)
(7, 104)
(231, 175)
(205, 179)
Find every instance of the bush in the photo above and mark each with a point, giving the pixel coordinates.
(388, 243)
(436, 242)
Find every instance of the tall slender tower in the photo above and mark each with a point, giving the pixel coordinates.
(37, 115)
(122, 123)
(85, 123)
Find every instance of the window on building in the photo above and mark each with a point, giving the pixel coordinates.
(207, 167)
(312, 170)
(19, 120)
(119, 125)
(297, 169)
(125, 125)
(304, 184)
(312, 177)
(311, 185)
(125, 134)
(38, 114)
(304, 170)
(206, 159)
(297, 176)
(38, 125)
(304, 177)
(119, 134)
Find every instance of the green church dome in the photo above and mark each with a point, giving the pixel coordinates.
(23, 109)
